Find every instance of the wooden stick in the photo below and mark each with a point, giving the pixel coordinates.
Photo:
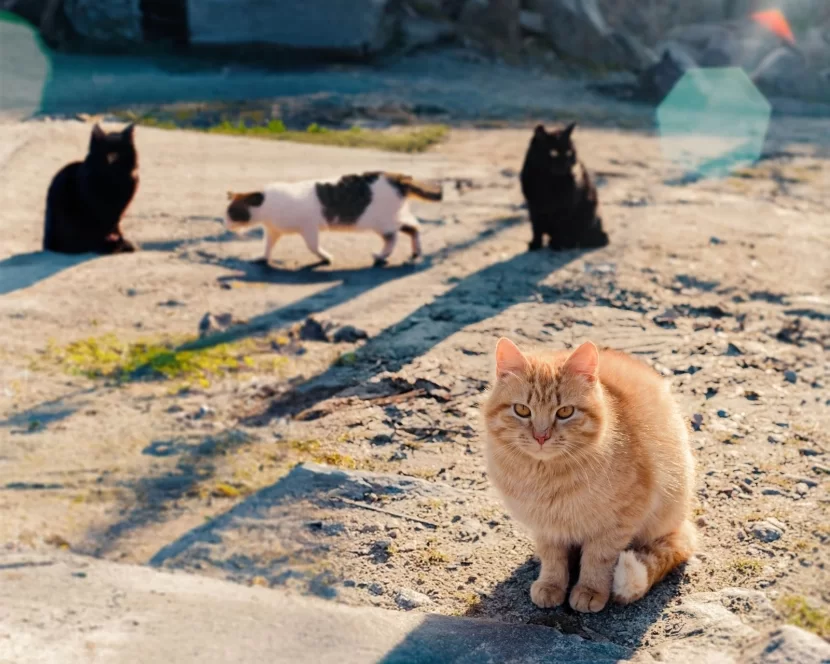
(397, 515)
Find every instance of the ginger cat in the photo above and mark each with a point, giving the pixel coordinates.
(589, 450)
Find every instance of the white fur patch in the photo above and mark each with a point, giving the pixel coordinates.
(630, 578)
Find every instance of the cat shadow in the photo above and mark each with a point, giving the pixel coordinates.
(626, 626)
(24, 270)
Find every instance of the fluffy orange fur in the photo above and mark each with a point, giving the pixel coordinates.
(589, 450)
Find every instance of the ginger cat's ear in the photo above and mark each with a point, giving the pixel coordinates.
(509, 359)
(584, 362)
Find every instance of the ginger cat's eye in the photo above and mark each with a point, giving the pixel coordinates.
(521, 410)
(565, 412)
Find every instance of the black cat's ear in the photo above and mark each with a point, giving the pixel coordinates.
(98, 133)
(567, 131)
(128, 131)
(540, 131)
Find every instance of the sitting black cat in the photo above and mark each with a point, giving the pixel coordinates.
(87, 199)
(561, 199)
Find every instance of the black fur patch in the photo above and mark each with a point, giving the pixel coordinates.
(240, 208)
(406, 229)
(347, 199)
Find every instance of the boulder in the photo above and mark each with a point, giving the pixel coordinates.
(355, 27)
(493, 22)
(114, 21)
(577, 30)
(785, 73)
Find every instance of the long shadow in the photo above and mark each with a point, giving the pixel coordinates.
(479, 296)
(348, 284)
(24, 270)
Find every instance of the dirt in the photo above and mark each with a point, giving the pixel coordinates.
(722, 285)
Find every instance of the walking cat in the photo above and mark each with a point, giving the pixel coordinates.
(561, 198)
(87, 199)
(375, 201)
(588, 450)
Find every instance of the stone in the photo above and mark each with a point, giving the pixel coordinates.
(788, 645)
(492, 22)
(313, 330)
(359, 27)
(532, 22)
(418, 32)
(115, 21)
(802, 489)
(784, 73)
(411, 599)
(767, 531)
(348, 334)
(790, 376)
(262, 625)
(577, 30)
(216, 323)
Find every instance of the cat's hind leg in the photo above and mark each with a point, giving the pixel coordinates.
(412, 228)
(271, 238)
(312, 241)
(389, 240)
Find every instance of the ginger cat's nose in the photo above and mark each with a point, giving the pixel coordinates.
(541, 437)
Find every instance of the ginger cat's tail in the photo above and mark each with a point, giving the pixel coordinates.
(411, 187)
(639, 569)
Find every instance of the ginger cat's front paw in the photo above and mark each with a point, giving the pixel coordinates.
(588, 600)
(547, 595)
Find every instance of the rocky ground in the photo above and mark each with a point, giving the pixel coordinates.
(370, 379)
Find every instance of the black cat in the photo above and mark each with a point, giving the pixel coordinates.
(560, 196)
(87, 198)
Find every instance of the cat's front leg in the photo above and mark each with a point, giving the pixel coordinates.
(551, 588)
(599, 556)
(312, 241)
(271, 237)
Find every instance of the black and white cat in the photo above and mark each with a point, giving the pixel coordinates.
(377, 202)
(87, 199)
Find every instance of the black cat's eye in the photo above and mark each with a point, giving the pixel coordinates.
(554, 153)
(112, 157)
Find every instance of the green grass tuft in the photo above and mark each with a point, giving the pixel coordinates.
(110, 357)
(799, 613)
(257, 125)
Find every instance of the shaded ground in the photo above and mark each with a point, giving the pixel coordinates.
(722, 286)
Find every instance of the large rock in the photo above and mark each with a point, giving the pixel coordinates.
(66, 609)
(786, 73)
(494, 22)
(577, 30)
(114, 21)
(359, 27)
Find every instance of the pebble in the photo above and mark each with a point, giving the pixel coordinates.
(723, 414)
(808, 451)
(411, 599)
(204, 411)
(349, 583)
(398, 455)
(772, 491)
(774, 439)
(802, 489)
(821, 470)
(702, 522)
(790, 376)
(768, 530)
(376, 588)
(697, 421)
(803, 480)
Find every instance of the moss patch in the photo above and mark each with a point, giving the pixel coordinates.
(110, 357)
(798, 612)
(257, 124)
